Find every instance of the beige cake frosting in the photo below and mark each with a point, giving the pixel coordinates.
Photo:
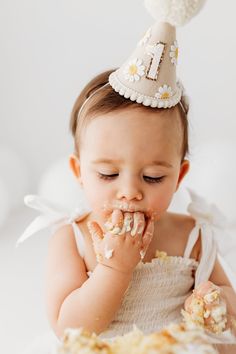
(174, 339)
(214, 317)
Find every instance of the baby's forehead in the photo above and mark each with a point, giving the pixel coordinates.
(143, 121)
(138, 129)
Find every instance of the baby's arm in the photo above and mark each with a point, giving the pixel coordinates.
(219, 278)
(73, 299)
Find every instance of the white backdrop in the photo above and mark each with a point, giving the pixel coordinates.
(51, 48)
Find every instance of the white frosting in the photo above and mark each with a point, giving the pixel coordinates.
(108, 252)
(211, 297)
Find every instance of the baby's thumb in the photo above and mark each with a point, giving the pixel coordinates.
(95, 231)
(147, 237)
(188, 303)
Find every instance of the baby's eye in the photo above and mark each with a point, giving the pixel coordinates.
(154, 179)
(149, 179)
(107, 177)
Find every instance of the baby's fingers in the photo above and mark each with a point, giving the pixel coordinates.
(115, 222)
(97, 236)
(139, 224)
(95, 231)
(204, 288)
(188, 303)
(147, 237)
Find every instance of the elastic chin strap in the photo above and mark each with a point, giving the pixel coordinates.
(108, 84)
(90, 96)
(183, 108)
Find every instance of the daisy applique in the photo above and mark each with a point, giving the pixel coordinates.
(134, 70)
(164, 93)
(146, 37)
(174, 53)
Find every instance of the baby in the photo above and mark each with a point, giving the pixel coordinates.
(129, 160)
(129, 260)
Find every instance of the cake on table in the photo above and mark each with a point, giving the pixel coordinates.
(174, 339)
(204, 322)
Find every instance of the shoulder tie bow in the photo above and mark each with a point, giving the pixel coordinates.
(212, 225)
(52, 215)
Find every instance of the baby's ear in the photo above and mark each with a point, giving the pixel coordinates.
(75, 166)
(185, 166)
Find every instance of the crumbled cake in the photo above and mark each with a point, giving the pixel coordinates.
(79, 341)
(174, 339)
(161, 254)
(207, 311)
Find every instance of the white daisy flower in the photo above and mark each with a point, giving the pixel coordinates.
(146, 37)
(134, 70)
(164, 93)
(174, 53)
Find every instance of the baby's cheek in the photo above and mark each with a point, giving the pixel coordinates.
(94, 196)
(95, 200)
(160, 205)
(103, 210)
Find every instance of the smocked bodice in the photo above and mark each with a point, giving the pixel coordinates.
(155, 295)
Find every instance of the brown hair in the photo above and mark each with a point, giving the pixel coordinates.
(107, 100)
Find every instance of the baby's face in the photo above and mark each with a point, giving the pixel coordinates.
(131, 160)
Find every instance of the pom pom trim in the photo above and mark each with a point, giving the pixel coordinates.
(175, 12)
(144, 99)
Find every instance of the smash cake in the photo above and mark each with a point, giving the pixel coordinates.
(173, 339)
(204, 321)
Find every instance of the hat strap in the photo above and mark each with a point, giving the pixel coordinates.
(90, 96)
(108, 84)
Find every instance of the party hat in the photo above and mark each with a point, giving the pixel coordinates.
(149, 74)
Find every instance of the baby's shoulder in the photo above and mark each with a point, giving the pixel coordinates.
(181, 226)
(63, 241)
(63, 256)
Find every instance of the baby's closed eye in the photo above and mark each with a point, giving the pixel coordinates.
(147, 178)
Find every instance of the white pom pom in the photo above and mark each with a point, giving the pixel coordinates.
(175, 12)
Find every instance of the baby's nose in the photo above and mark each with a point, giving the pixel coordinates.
(129, 193)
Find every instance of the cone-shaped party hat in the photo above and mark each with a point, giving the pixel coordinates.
(149, 74)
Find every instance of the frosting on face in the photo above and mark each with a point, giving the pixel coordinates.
(127, 207)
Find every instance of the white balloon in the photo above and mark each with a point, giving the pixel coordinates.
(14, 174)
(213, 175)
(59, 185)
(4, 203)
(180, 201)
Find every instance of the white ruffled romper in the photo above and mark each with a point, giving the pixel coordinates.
(158, 289)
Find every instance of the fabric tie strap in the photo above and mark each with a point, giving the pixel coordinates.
(52, 215)
(212, 224)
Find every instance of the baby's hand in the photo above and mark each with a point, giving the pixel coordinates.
(125, 242)
(207, 308)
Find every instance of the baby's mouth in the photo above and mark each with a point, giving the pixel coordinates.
(125, 208)
(146, 215)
